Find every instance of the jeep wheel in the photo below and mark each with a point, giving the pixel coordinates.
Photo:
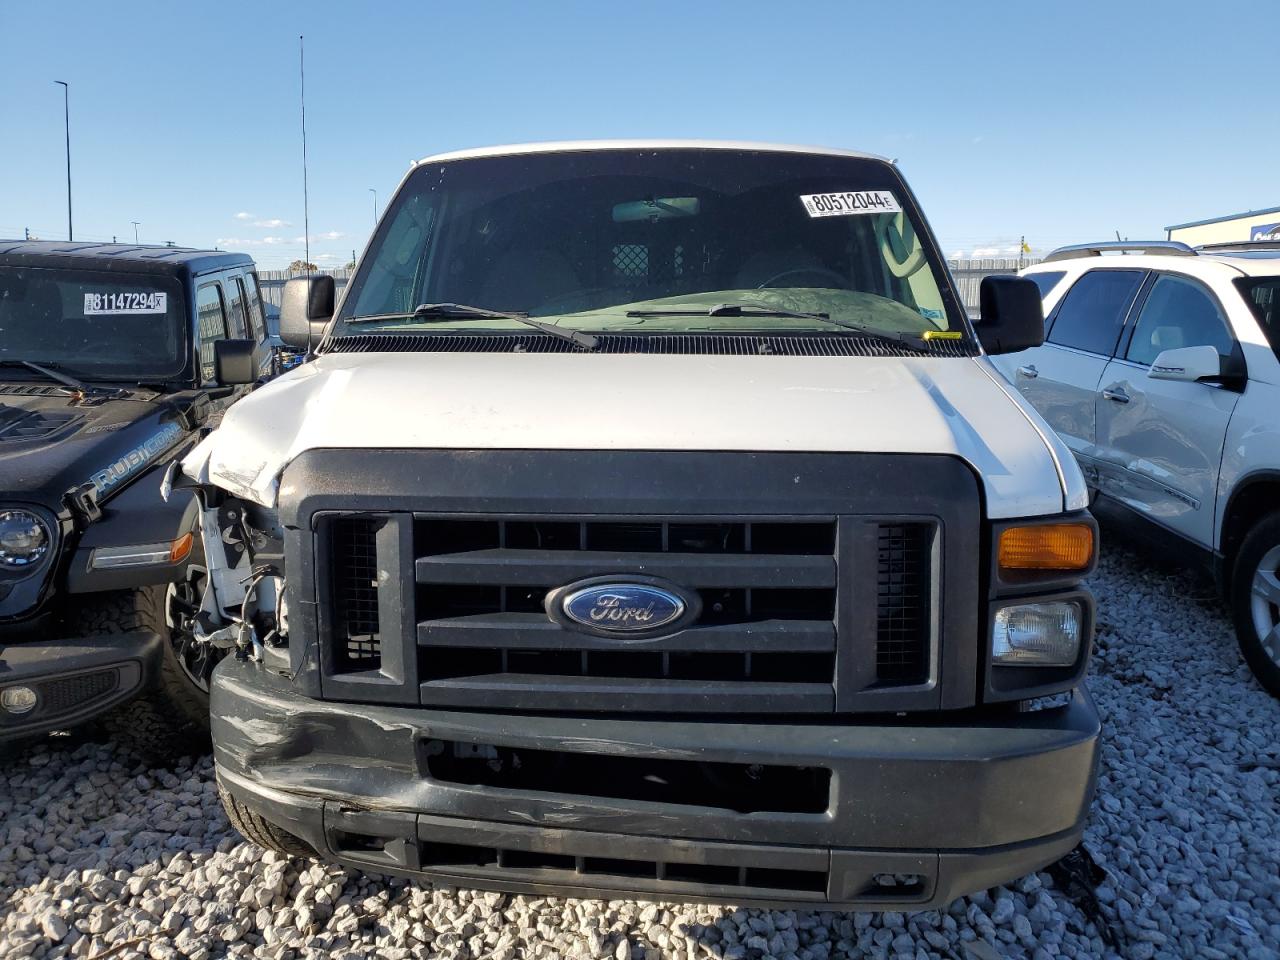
(262, 832)
(1255, 601)
(171, 717)
(181, 604)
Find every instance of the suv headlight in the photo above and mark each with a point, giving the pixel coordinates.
(1037, 634)
(24, 539)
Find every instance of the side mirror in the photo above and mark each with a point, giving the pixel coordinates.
(1012, 315)
(234, 362)
(1188, 364)
(306, 306)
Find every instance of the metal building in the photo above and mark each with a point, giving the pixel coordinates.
(1252, 225)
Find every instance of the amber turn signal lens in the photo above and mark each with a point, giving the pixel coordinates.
(1049, 546)
(181, 548)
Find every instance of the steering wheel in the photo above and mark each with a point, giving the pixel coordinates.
(842, 283)
(902, 240)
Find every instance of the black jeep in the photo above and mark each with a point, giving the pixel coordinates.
(112, 363)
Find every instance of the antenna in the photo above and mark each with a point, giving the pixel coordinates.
(306, 216)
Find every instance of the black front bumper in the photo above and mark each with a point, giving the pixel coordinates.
(918, 812)
(74, 679)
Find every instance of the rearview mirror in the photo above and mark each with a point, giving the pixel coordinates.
(306, 306)
(1187, 364)
(233, 362)
(1012, 315)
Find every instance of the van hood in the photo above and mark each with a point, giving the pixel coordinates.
(955, 407)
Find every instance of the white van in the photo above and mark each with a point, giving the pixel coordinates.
(651, 520)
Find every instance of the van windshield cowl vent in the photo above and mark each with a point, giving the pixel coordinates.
(728, 344)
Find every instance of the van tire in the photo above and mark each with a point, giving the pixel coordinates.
(170, 718)
(262, 832)
(1262, 543)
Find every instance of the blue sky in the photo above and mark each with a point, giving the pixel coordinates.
(1061, 122)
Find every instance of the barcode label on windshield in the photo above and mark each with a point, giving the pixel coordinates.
(101, 304)
(850, 204)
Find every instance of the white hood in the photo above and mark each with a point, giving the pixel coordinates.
(646, 402)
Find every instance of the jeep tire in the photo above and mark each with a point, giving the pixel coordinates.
(262, 832)
(1255, 601)
(170, 718)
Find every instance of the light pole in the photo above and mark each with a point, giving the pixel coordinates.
(135, 229)
(66, 117)
(375, 206)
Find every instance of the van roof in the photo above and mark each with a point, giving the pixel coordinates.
(570, 146)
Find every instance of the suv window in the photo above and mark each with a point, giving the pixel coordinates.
(1046, 281)
(211, 319)
(1092, 313)
(235, 309)
(253, 306)
(1178, 313)
(1263, 296)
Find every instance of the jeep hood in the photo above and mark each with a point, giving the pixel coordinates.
(953, 407)
(49, 444)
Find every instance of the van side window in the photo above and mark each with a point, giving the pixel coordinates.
(1178, 313)
(253, 307)
(1092, 313)
(235, 293)
(211, 321)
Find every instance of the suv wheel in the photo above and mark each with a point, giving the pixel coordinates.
(1255, 601)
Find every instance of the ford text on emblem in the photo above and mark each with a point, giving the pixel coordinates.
(622, 607)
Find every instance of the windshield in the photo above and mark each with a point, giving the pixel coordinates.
(590, 239)
(96, 324)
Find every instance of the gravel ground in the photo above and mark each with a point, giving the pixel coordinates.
(100, 856)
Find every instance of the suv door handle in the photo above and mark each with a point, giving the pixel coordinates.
(1029, 371)
(1117, 394)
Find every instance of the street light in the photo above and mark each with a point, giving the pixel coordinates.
(375, 206)
(135, 229)
(66, 117)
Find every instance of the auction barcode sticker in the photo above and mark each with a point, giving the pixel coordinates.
(100, 304)
(850, 203)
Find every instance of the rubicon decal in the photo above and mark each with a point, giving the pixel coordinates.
(138, 457)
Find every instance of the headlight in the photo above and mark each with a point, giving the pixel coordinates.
(1037, 634)
(24, 538)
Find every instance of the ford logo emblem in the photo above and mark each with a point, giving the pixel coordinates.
(625, 608)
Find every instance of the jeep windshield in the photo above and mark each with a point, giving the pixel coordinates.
(97, 325)
(652, 241)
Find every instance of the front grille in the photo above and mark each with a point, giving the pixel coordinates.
(797, 615)
(552, 867)
(903, 602)
(767, 587)
(355, 594)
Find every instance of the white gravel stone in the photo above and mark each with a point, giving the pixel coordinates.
(99, 853)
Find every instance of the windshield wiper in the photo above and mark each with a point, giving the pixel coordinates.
(53, 372)
(759, 310)
(462, 311)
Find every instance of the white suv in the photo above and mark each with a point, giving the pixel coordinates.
(1161, 372)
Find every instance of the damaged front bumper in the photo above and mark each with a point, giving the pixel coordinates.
(72, 680)
(897, 813)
